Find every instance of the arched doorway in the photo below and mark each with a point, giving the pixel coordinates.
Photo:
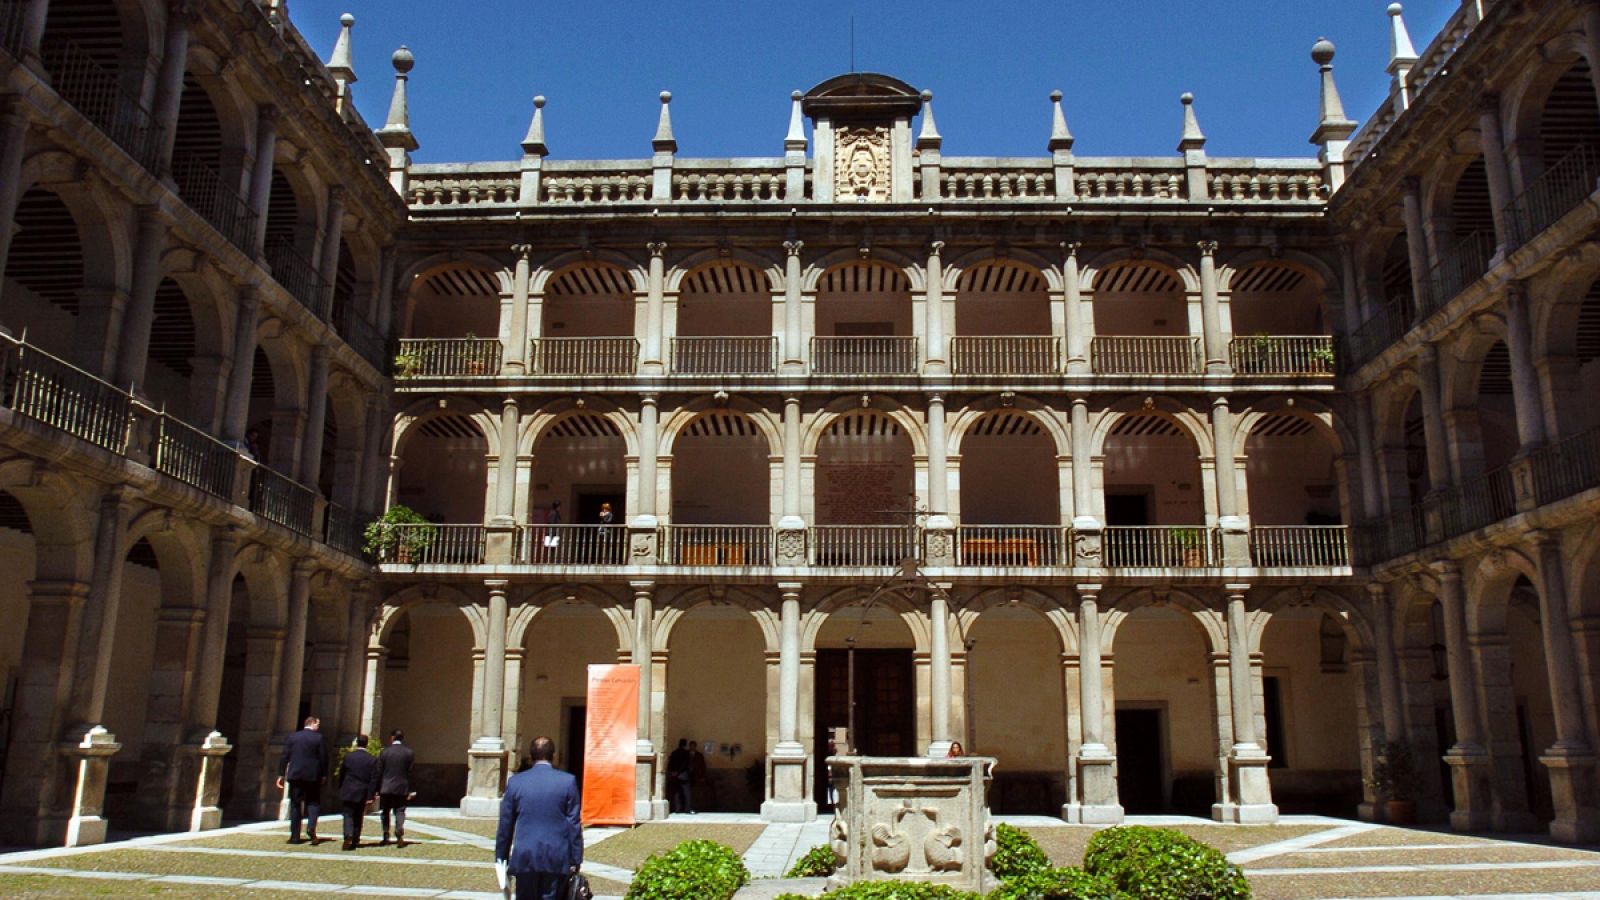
(442, 472)
(865, 655)
(565, 637)
(725, 321)
(863, 321)
(1166, 737)
(1154, 494)
(718, 650)
(1003, 322)
(1310, 693)
(46, 277)
(427, 693)
(1018, 711)
(1010, 498)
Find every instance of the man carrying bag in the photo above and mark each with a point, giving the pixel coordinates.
(540, 839)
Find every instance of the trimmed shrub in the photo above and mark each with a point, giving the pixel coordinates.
(1160, 864)
(818, 862)
(693, 870)
(892, 890)
(1055, 884)
(1016, 853)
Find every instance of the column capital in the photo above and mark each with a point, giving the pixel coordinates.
(268, 114)
(657, 249)
(1071, 248)
(1517, 290)
(496, 585)
(509, 404)
(1236, 591)
(1220, 401)
(1208, 248)
(303, 569)
(1427, 353)
(648, 399)
(1544, 541)
(522, 251)
(787, 588)
(642, 588)
(1378, 591)
(1489, 102)
(935, 247)
(336, 193)
(1448, 570)
(1412, 185)
(182, 12)
(793, 248)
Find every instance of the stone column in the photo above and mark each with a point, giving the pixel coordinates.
(133, 343)
(516, 349)
(372, 688)
(1087, 529)
(1494, 165)
(105, 601)
(791, 534)
(328, 258)
(316, 418)
(1096, 774)
(1469, 762)
(1433, 418)
(1382, 615)
(1235, 528)
(1214, 341)
(353, 670)
(653, 358)
(505, 502)
(794, 338)
(648, 803)
(200, 719)
(1524, 378)
(13, 136)
(791, 801)
(487, 756)
(1416, 246)
(1077, 343)
(1247, 761)
(236, 413)
(1354, 315)
(1367, 449)
(939, 674)
(166, 760)
(643, 526)
(1570, 761)
(940, 527)
(169, 81)
(934, 359)
(261, 172)
(34, 14)
(291, 675)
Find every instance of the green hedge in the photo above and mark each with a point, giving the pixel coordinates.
(1055, 884)
(819, 862)
(1160, 864)
(1016, 853)
(693, 870)
(892, 890)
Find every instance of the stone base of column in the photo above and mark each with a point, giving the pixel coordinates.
(207, 814)
(939, 749)
(87, 825)
(789, 802)
(486, 772)
(1252, 791)
(1097, 789)
(1572, 794)
(646, 806)
(1369, 812)
(1471, 777)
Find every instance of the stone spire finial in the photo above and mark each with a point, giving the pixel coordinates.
(341, 64)
(396, 130)
(664, 142)
(1332, 124)
(796, 138)
(1193, 138)
(928, 137)
(1401, 51)
(534, 144)
(1060, 137)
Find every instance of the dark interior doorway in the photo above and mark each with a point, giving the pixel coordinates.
(1128, 508)
(577, 725)
(886, 704)
(588, 499)
(1141, 773)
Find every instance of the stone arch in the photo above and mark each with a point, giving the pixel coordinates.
(419, 412)
(61, 513)
(180, 551)
(546, 271)
(525, 615)
(589, 296)
(1488, 587)
(724, 296)
(1475, 375)
(959, 268)
(1300, 261)
(96, 218)
(1272, 292)
(889, 407)
(548, 416)
(396, 605)
(1062, 620)
(1351, 617)
(266, 580)
(769, 268)
(1528, 97)
(441, 436)
(681, 418)
(914, 271)
(468, 289)
(1583, 576)
(1098, 264)
(1208, 620)
(1051, 420)
(911, 616)
(669, 615)
(235, 111)
(1192, 422)
(1284, 421)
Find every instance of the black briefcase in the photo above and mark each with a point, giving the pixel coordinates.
(577, 889)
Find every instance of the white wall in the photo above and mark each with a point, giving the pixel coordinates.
(1015, 677)
(717, 691)
(431, 698)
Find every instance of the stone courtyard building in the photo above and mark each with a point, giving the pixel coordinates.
(1177, 484)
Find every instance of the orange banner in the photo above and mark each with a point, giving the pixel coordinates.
(610, 745)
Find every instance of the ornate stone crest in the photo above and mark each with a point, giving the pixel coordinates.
(861, 164)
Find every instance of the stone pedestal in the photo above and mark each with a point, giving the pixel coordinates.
(646, 806)
(1097, 789)
(207, 814)
(642, 535)
(1252, 791)
(1572, 794)
(912, 819)
(87, 825)
(789, 802)
(791, 543)
(1471, 775)
(486, 777)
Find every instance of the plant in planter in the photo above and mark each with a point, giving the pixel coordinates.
(408, 364)
(1322, 360)
(1397, 780)
(1190, 543)
(1257, 352)
(399, 535)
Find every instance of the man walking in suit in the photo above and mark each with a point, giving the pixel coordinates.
(394, 784)
(540, 834)
(358, 784)
(304, 766)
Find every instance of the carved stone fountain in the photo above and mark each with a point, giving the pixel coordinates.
(912, 819)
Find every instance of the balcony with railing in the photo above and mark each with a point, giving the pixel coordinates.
(448, 357)
(219, 203)
(433, 545)
(1300, 546)
(1561, 189)
(1567, 467)
(1458, 267)
(297, 276)
(95, 91)
(1388, 323)
(1112, 355)
(1478, 502)
(853, 546)
(994, 355)
(280, 499)
(585, 356)
(864, 355)
(1161, 547)
(1297, 356)
(194, 457)
(1011, 546)
(572, 545)
(57, 394)
(341, 529)
(716, 545)
(725, 355)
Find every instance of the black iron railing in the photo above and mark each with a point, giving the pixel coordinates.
(1552, 195)
(95, 91)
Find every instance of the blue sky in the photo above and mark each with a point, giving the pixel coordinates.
(731, 64)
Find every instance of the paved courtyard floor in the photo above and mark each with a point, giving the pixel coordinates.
(1301, 858)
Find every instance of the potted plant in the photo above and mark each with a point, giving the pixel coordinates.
(1396, 779)
(399, 534)
(1191, 546)
(474, 358)
(1322, 360)
(407, 363)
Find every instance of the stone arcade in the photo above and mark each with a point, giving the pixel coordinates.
(1227, 471)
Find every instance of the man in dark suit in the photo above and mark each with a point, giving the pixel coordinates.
(304, 766)
(394, 784)
(540, 833)
(358, 785)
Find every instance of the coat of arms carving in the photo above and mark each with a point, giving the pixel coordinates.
(861, 164)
